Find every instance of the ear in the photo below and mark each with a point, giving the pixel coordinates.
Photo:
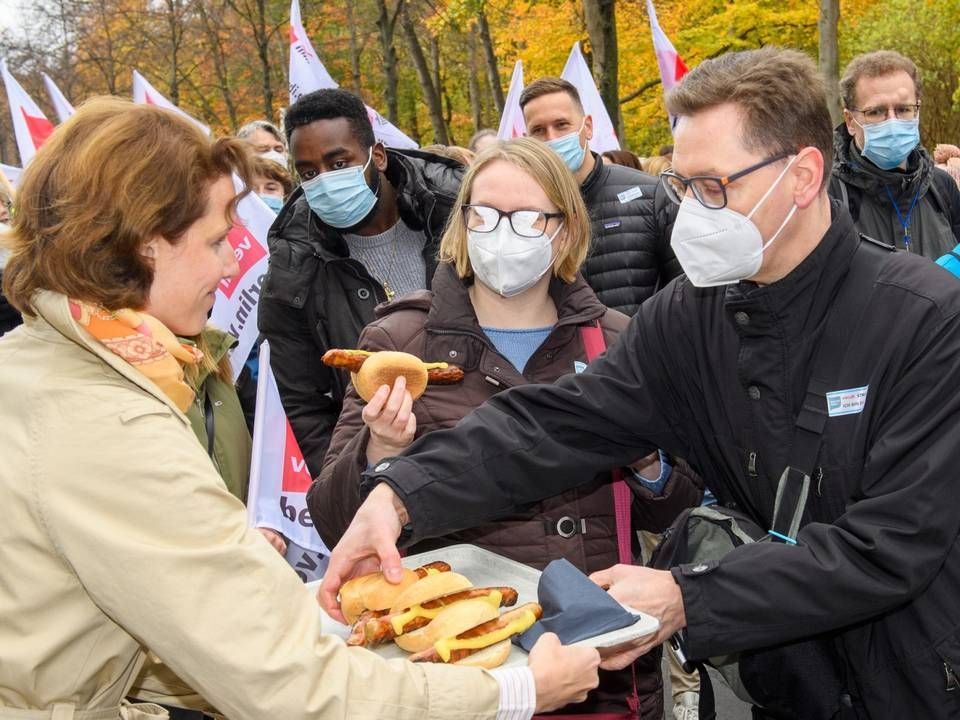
(849, 122)
(380, 157)
(588, 126)
(150, 248)
(808, 172)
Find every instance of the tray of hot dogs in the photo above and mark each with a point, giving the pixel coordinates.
(458, 604)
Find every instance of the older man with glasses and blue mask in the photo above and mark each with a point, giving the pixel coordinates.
(808, 373)
(881, 172)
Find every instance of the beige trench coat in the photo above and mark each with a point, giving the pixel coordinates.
(118, 537)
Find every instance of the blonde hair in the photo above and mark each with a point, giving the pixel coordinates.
(110, 178)
(655, 165)
(544, 166)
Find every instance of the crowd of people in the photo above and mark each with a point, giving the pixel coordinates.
(660, 329)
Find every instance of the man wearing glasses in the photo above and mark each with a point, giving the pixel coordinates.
(719, 367)
(881, 172)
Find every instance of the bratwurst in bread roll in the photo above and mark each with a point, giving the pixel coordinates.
(421, 602)
(370, 370)
(375, 595)
(473, 633)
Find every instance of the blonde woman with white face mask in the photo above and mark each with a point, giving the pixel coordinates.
(509, 306)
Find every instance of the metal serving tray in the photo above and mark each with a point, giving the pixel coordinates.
(483, 567)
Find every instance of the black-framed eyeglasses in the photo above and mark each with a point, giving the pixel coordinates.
(525, 223)
(709, 190)
(901, 111)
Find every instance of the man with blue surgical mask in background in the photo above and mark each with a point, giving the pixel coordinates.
(881, 172)
(363, 228)
(630, 218)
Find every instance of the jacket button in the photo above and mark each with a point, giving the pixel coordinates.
(496, 369)
(452, 353)
(742, 318)
(363, 293)
(753, 392)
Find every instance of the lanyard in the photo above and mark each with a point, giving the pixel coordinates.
(904, 221)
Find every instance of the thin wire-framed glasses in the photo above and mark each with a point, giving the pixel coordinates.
(525, 223)
(901, 111)
(709, 190)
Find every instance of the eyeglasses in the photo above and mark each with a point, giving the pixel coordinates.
(525, 223)
(710, 190)
(903, 111)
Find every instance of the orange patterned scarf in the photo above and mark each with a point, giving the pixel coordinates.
(145, 343)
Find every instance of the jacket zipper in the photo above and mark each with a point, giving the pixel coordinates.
(752, 464)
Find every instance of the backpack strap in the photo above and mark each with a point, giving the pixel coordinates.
(594, 345)
(848, 307)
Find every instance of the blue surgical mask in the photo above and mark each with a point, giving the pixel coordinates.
(341, 198)
(569, 149)
(273, 202)
(887, 144)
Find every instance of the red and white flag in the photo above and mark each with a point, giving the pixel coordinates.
(235, 307)
(578, 74)
(279, 478)
(30, 125)
(57, 99)
(511, 122)
(672, 67)
(145, 94)
(307, 74)
(11, 173)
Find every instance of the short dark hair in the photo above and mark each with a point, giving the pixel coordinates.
(330, 104)
(779, 92)
(876, 64)
(548, 86)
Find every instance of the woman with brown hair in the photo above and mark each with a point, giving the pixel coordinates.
(509, 306)
(118, 535)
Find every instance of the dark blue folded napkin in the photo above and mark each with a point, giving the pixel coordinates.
(574, 607)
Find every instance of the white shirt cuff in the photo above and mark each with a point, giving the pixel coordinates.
(518, 693)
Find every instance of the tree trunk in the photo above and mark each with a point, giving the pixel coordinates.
(829, 56)
(601, 21)
(354, 49)
(386, 25)
(473, 87)
(263, 52)
(212, 20)
(430, 92)
(493, 74)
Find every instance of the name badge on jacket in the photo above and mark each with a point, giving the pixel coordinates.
(847, 402)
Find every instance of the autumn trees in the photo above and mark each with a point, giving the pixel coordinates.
(438, 68)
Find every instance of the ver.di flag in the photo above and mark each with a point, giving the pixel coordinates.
(235, 307)
(30, 126)
(57, 99)
(279, 479)
(511, 122)
(578, 74)
(672, 67)
(307, 74)
(145, 94)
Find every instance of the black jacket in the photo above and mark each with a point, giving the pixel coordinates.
(717, 375)
(630, 224)
(315, 297)
(860, 185)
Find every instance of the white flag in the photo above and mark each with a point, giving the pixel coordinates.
(511, 122)
(145, 94)
(235, 307)
(578, 74)
(279, 478)
(30, 125)
(58, 99)
(672, 67)
(307, 74)
(11, 173)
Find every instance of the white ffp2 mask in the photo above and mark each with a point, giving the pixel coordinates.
(721, 247)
